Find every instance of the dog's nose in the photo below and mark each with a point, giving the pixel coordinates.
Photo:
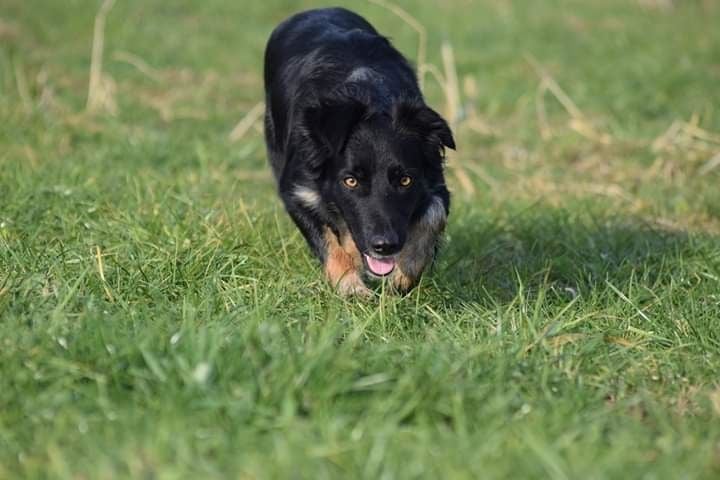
(385, 244)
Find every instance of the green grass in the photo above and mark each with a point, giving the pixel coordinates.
(160, 317)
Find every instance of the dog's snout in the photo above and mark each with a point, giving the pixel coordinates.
(387, 244)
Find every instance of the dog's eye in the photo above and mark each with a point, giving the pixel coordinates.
(405, 181)
(350, 182)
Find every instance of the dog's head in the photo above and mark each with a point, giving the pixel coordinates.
(378, 171)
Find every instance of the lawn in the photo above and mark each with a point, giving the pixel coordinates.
(161, 317)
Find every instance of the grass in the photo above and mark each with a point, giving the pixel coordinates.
(160, 317)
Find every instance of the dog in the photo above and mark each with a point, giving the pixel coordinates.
(356, 153)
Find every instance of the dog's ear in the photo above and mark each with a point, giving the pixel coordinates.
(329, 124)
(419, 119)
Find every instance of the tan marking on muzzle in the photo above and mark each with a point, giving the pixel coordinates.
(343, 263)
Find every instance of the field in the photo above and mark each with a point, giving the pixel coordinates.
(160, 316)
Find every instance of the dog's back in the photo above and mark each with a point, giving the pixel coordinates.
(319, 51)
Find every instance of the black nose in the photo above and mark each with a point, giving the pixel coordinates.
(385, 244)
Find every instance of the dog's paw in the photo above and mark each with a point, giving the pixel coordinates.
(401, 282)
(351, 285)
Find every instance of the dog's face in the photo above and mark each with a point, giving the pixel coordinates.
(380, 176)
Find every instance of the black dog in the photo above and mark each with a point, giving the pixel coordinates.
(357, 155)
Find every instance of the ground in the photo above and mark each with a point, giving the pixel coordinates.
(160, 317)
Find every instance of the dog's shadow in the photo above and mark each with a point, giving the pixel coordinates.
(490, 260)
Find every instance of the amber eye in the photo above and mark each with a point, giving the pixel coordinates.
(350, 182)
(405, 181)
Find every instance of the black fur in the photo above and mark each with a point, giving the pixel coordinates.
(342, 101)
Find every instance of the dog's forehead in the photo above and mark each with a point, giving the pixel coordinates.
(379, 147)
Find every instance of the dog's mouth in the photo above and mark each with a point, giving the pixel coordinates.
(380, 267)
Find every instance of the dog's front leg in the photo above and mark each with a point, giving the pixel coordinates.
(340, 257)
(419, 251)
(417, 254)
(343, 264)
(308, 225)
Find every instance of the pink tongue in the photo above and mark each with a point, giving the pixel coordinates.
(380, 266)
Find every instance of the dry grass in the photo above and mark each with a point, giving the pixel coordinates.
(578, 121)
(688, 139)
(253, 118)
(101, 87)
